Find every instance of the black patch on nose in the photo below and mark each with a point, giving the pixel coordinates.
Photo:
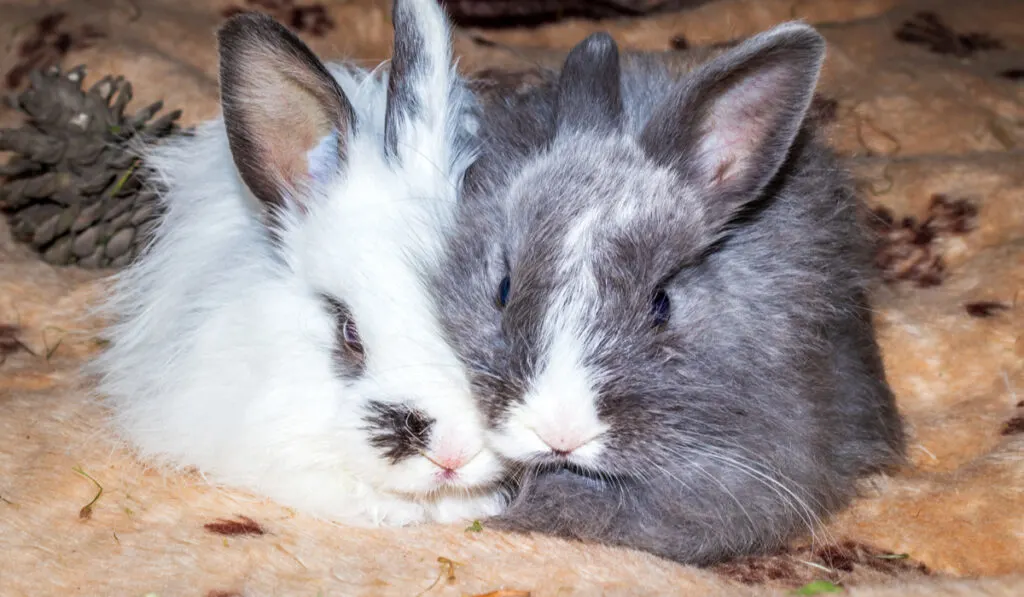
(397, 430)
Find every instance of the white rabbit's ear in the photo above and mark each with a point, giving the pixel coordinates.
(731, 125)
(420, 83)
(279, 103)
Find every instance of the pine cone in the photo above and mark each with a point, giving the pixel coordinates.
(75, 190)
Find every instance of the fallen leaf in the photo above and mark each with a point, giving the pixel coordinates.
(243, 526)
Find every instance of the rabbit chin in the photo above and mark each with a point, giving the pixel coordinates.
(470, 492)
(517, 441)
(557, 419)
(420, 479)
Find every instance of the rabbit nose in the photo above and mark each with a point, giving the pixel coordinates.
(452, 464)
(564, 444)
(449, 463)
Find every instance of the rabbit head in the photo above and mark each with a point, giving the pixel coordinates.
(600, 332)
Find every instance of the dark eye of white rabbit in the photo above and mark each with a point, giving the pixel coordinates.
(350, 336)
(350, 345)
(503, 289)
(661, 308)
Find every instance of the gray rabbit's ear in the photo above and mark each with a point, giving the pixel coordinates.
(279, 103)
(589, 88)
(730, 126)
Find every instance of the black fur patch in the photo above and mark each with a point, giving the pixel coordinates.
(397, 430)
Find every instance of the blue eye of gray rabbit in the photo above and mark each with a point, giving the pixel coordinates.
(503, 289)
(661, 307)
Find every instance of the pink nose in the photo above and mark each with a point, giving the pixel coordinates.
(449, 463)
(562, 445)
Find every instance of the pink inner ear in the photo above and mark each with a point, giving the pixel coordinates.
(738, 122)
(288, 120)
(285, 106)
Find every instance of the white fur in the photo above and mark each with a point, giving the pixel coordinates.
(220, 357)
(426, 140)
(559, 410)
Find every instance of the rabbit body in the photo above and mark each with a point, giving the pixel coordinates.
(279, 333)
(661, 285)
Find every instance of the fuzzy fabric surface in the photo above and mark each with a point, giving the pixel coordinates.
(923, 97)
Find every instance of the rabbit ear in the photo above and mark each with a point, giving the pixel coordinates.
(730, 127)
(589, 93)
(420, 82)
(279, 103)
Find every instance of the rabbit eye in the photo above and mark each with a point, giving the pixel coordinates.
(503, 289)
(661, 308)
(349, 346)
(350, 335)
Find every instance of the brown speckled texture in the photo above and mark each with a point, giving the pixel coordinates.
(915, 120)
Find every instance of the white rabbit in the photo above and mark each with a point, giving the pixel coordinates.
(319, 202)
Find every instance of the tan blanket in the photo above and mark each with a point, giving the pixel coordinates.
(933, 124)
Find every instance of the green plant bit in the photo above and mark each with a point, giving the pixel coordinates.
(476, 527)
(123, 179)
(447, 572)
(893, 556)
(817, 587)
(86, 512)
(50, 351)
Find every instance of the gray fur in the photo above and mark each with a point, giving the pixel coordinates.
(592, 101)
(748, 416)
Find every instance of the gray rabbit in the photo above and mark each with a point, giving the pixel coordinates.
(660, 287)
